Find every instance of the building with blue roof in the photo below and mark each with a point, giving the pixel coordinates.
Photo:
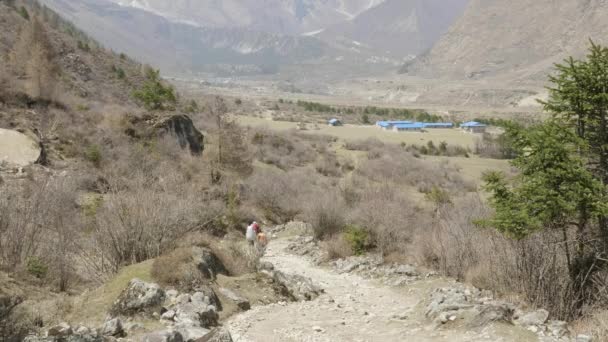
(474, 127)
(334, 122)
(408, 127)
(390, 124)
(438, 125)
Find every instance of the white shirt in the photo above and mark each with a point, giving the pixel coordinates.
(250, 235)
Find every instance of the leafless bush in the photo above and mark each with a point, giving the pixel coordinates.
(337, 247)
(536, 267)
(284, 150)
(328, 165)
(275, 192)
(390, 218)
(400, 167)
(142, 220)
(326, 213)
(364, 145)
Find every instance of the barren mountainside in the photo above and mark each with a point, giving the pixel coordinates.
(519, 38)
(400, 27)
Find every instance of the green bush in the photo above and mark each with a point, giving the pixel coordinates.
(24, 13)
(93, 154)
(358, 239)
(154, 95)
(37, 268)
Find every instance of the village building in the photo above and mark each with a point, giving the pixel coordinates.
(474, 127)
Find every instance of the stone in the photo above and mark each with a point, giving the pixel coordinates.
(171, 293)
(298, 287)
(163, 336)
(112, 327)
(132, 326)
(217, 335)
(584, 338)
(558, 328)
(191, 334)
(241, 302)
(317, 329)
(182, 128)
(82, 330)
(192, 315)
(60, 330)
(493, 313)
(182, 299)
(265, 265)
(537, 317)
(168, 316)
(138, 297)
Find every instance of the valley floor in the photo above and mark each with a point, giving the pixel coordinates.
(355, 309)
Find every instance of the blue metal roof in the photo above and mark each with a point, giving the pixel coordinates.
(333, 121)
(438, 124)
(472, 124)
(410, 125)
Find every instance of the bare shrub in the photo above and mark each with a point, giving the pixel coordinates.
(326, 213)
(328, 165)
(364, 145)
(140, 220)
(390, 218)
(284, 150)
(39, 222)
(595, 324)
(400, 167)
(337, 247)
(275, 192)
(535, 267)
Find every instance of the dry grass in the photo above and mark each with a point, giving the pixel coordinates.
(337, 247)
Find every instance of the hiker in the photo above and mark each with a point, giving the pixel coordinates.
(251, 234)
(262, 239)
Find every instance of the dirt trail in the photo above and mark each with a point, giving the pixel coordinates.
(353, 309)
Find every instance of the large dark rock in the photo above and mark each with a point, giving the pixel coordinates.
(207, 263)
(182, 128)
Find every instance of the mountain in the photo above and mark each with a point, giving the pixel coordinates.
(517, 39)
(398, 27)
(245, 37)
(180, 46)
(288, 17)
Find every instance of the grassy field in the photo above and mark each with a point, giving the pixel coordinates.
(356, 132)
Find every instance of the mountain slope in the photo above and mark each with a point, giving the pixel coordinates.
(400, 27)
(183, 47)
(520, 39)
(271, 16)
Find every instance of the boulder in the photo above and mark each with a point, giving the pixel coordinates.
(138, 297)
(163, 336)
(70, 338)
(182, 128)
(493, 313)
(217, 335)
(112, 327)
(60, 330)
(538, 317)
(297, 287)
(191, 334)
(240, 302)
(169, 315)
(207, 263)
(196, 315)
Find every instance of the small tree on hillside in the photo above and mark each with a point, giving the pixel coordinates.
(32, 58)
(154, 94)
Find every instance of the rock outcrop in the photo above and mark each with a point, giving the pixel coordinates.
(182, 128)
(138, 298)
(240, 302)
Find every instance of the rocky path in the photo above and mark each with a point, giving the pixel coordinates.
(355, 309)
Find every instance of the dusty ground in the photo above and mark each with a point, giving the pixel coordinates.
(353, 309)
(17, 149)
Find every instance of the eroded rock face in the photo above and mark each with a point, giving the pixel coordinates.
(182, 128)
(138, 297)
